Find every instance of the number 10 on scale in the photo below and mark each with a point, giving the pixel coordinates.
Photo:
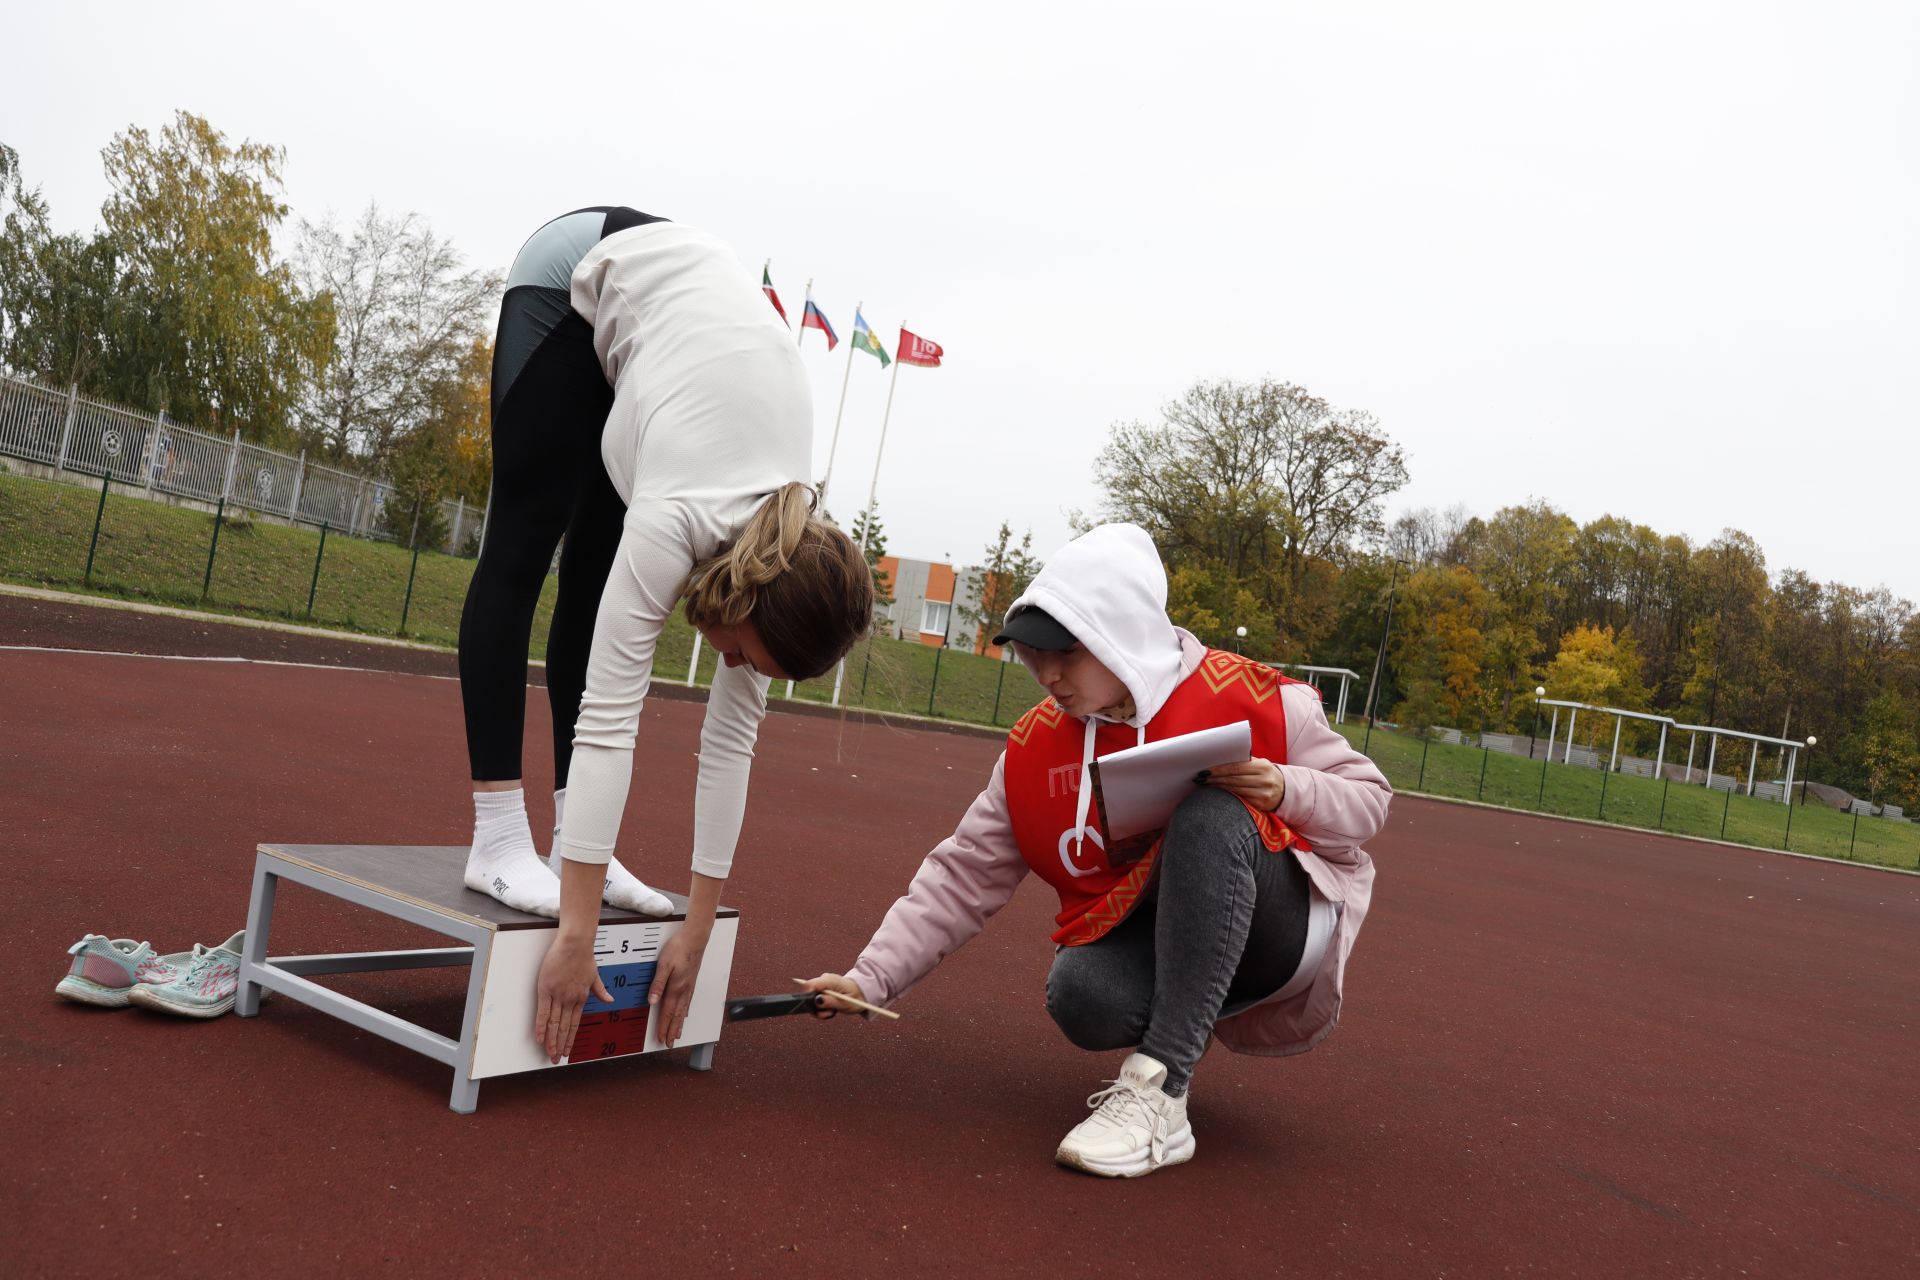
(627, 956)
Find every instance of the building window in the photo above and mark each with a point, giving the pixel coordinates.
(933, 617)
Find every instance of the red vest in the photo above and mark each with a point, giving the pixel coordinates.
(1099, 885)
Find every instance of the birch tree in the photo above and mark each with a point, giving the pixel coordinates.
(407, 313)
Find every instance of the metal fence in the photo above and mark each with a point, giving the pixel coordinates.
(1515, 771)
(71, 432)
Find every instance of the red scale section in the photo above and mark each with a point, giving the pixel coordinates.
(610, 1034)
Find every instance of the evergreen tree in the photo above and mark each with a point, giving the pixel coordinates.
(998, 582)
(870, 535)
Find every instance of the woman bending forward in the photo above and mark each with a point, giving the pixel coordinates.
(649, 408)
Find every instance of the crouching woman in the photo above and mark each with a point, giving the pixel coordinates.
(1235, 922)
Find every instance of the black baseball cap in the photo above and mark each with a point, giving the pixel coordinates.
(1036, 628)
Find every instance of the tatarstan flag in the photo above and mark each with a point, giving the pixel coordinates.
(766, 287)
(915, 349)
(863, 339)
(814, 320)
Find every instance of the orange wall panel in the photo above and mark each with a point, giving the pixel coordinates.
(940, 582)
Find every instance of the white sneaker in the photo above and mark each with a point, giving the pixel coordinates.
(1135, 1127)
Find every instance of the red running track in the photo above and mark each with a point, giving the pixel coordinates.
(1567, 1049)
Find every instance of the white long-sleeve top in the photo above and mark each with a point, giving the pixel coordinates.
(712, 412)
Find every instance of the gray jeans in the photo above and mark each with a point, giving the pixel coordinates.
(1224, 922)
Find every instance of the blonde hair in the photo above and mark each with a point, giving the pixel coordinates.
(800, 581)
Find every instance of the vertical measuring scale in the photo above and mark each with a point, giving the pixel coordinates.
(626, 951)
(627, 955)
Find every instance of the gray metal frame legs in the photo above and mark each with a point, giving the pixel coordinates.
(288, 975)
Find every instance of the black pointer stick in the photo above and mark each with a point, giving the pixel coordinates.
(748, 1007)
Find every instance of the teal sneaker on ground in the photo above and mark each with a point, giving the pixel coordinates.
(206, 988)
(106, 971)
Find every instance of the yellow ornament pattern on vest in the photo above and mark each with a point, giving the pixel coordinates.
(1045, 716)
(1220, 669)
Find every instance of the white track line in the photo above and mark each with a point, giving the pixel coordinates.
(195, 657)
(221, 619)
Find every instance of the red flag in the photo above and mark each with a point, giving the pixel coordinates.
(766, 287)
(814, 318)
(915, 349)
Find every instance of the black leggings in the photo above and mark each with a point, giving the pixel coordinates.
(550, 405)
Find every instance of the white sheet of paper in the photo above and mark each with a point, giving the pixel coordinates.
(1139, 788)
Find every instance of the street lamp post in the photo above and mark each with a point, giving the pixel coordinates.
(1533, 733)
(1239, 634)
(1380, 659)
(1540, 800)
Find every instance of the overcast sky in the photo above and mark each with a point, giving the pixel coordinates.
(1656, 260)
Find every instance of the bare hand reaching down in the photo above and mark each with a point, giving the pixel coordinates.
(673, 978)
(566, 976)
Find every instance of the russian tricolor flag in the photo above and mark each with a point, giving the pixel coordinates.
(814, 320)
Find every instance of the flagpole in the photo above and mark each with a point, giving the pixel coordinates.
(873, 489)
(838, 413)
(801, 338)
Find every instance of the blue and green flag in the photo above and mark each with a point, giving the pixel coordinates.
(863, 340)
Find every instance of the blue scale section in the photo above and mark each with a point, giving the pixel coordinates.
(626, 983)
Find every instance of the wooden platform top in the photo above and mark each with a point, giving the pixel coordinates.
(432, 876)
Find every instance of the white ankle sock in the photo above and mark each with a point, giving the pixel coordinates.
(503, 862)
(559, 812)
(623, 889)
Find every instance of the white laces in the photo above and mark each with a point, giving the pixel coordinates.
(1123, 1102)
(204, 958)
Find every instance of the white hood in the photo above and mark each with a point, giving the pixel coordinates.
(1109, 588)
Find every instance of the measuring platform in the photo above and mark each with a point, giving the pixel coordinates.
(423, 885)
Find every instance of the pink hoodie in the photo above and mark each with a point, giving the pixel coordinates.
(1335, 798)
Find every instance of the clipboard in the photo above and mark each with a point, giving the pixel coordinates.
(1137, 790)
